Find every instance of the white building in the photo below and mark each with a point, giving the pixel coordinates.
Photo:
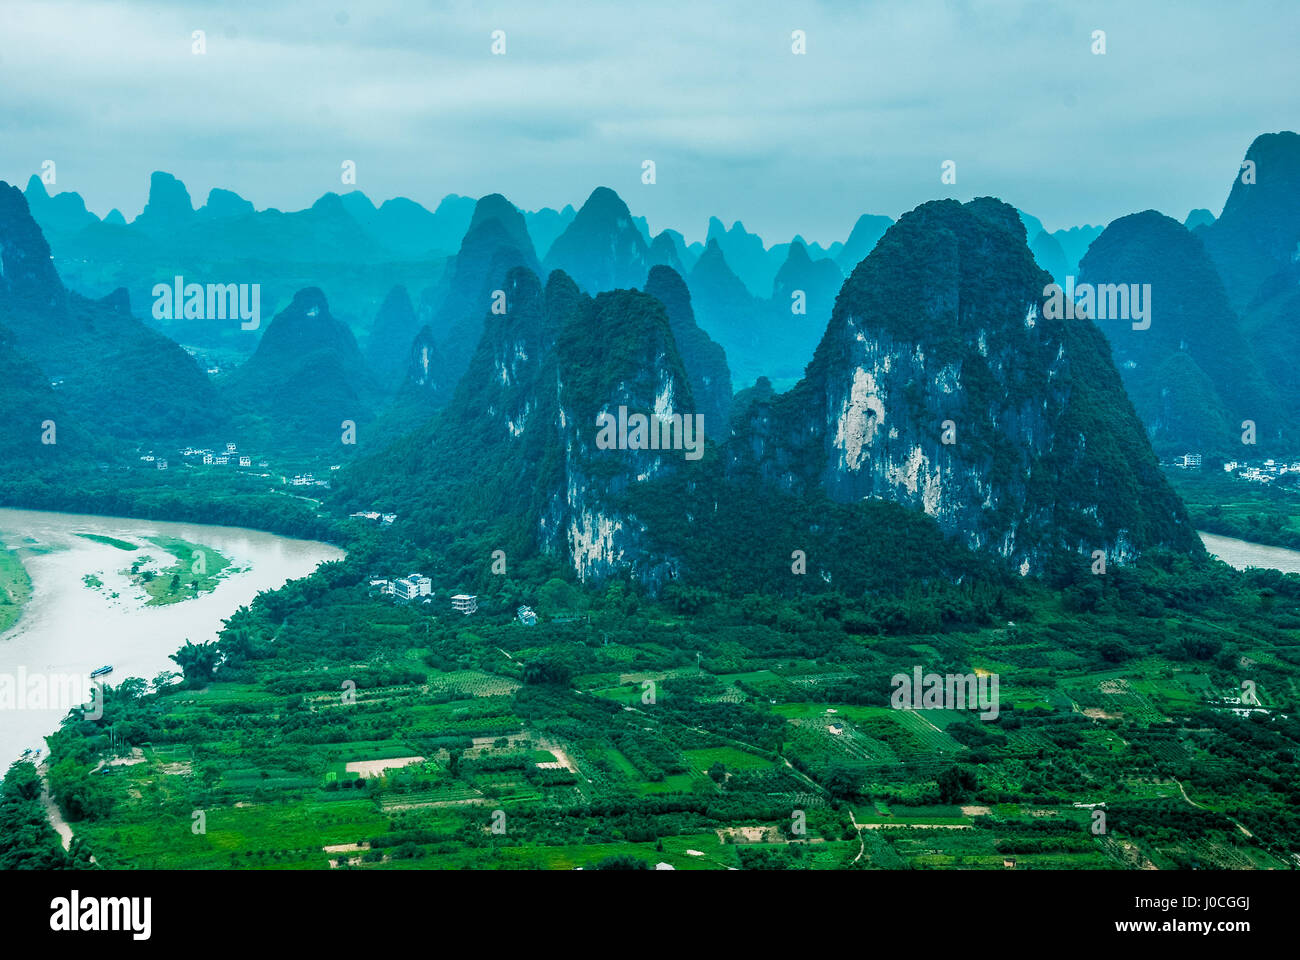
(526, 616)
(410, 587)
(245, 461)
(466, 603)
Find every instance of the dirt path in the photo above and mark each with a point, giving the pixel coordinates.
(862, 846)
(1183, 791)
(53, 812)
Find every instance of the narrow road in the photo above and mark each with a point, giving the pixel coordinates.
(1198, 806)
(53, 812)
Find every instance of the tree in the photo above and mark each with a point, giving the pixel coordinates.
(840, 781)
(556, 595)
(22, 781)
(547, 669)
(164, 679)
(621, 861)
(198, 661)
(956, 783)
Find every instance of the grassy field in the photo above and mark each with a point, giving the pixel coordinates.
(110, 541)
(769, 761)
(194, 570)
(1232, 507)
(15, 587)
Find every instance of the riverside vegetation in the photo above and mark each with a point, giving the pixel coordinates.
(708, 683)
(703, 729)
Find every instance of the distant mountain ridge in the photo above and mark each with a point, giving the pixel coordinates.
(940, 401)
(1191, 372)
(1255, 244)
(113, 375)
(305, 382)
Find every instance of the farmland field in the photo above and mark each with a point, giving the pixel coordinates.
(365, 735)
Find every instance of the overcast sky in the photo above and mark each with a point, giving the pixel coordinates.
(738, 126)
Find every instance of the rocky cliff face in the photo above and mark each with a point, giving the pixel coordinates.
(496, 242)
(521, 439)
(544, 374)
(643, 377)
(705, 360)
(502, 389)
(940, 384)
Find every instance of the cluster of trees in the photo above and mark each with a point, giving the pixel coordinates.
(27, 841)
(81, 487)
(288, 643)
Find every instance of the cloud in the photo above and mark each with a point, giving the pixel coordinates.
(738, 126)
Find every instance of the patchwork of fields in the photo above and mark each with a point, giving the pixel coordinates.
(363, 735)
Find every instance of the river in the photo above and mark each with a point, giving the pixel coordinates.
(1242, 553)
(68, 628)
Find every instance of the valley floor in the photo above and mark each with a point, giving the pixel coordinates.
(627, 752)
(15, 587)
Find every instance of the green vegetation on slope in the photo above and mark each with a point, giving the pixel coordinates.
(15, 587)
(109, 541)
(1231, 507)
(709, 731)
(195, 570)
(27, 841)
